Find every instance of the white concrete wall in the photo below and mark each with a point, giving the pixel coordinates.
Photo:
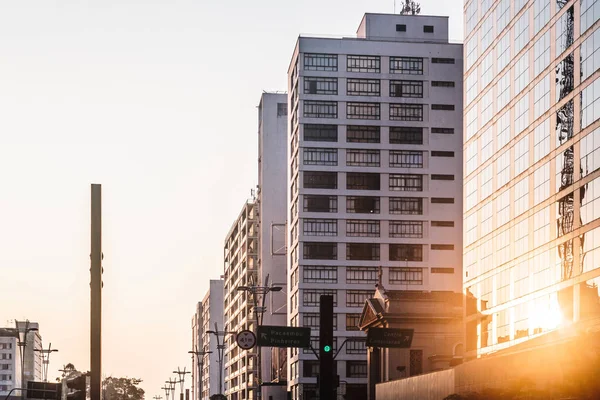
(13, 360)
(212, 312)
(383, 26)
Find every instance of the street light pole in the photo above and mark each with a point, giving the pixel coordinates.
(200, 363)
(46, 359)
(181, 374)
(22, 347)
(220, 351)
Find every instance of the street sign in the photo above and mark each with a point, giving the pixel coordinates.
(390, 337)
(246, 339)
(283, 336)
(44, 390)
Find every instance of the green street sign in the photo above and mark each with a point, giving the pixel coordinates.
(390, 337)
(283, 336)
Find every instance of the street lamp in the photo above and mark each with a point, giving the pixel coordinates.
(200, 362)
(181, 380)
(46, 359)
(255, 291)
(171, 383)
(220, 350)
(22, 346)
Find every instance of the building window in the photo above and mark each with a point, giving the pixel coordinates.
(313, 320)
(313, 85)
(282, 109)
(416, 362)
(319, 274)
(406, 229)
(442, 270)
(320, 180)
(363, 64)
(406, 112)
(362, 205)
(445, 107)
(362, 251)
(362, 228)
(352, 321)
(406, 135)
(445, 224)
(320, 109)
(406, 252)
(442, 83)
(437, 60)
(442, 247)
(362, 158)
(406, 65)
(319, 251)
(363, 134)
(320, 133)
(406, 89)
(363, 87)
(356, 347)
(406, 205)
(362, 181)
(356, 369)
(361, 275)
(442, 200)
(565, 31)
(320, 227)
(406, 159)
(315, 156)
(362, 110)
(442, 154)
(589, 14)
(320, 62)
(442, 177)
(406, 276)
(428, 28)
(406, 182)
(400, 28)
(357, 298)
(445, 131)
(312, 297)
(318, 203)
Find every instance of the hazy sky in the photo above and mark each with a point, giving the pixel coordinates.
(155, 100)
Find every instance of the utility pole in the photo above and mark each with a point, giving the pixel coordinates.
(46, 360)
(96, 294)
(326, 363)
(181, 374)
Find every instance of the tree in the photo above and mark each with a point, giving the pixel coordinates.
(122, 389)
(410, 7)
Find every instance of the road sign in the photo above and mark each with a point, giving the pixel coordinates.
(246, 339)
(390, 337)
(283, 336)
(44, 390)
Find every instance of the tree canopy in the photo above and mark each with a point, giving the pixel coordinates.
(410, 7)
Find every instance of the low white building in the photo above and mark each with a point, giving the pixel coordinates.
(10, 362)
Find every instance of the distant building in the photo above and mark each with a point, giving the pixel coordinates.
(33, 359)
(375, 177)
(212, 313)
(196, 346)
(10, 362)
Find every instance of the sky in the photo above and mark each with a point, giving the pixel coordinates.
(155, 100)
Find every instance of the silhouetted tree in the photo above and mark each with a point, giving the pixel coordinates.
(122, 389)
(410, 7)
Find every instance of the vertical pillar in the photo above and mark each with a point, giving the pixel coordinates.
(96, 294)
(374, 364)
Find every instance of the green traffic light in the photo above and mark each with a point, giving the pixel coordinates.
(327, 348)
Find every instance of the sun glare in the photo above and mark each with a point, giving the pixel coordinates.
(546, 316)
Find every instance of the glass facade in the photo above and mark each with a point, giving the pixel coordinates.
(532, 168)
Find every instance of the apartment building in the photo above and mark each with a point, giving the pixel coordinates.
(33, 359)
(10, 362)
(240, 269)
(531, 168)
(374, 178)
(197, 346)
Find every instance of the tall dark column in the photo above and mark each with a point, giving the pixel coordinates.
(373, 377)
(96, 294)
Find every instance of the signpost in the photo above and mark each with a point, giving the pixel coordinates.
(283, 336)
(246, 339)
(390, 337)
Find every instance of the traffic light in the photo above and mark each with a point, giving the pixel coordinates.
(78, 386)
(326, 348)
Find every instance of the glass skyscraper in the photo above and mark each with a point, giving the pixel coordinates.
(531, 168)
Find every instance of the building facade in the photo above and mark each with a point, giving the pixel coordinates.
(374, 178)
(196, 347)
(271, 206)
(531, 168)
(212, 320)
(33, 359)
(10, 362)
(240, 269)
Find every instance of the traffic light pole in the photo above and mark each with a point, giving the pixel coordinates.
(96, 294)
(326, 372)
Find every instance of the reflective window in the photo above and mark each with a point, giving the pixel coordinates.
(590, 107)
(487, 181)
(590, 56)
(485, 6)
(471, 16)
(590, 12)
(521, 196)
(590, 203)
(541, 227)
(503, 168)
(521, 237)
(541, 14)
(541, 140)
(503, 208)
(502, 14)
(503, 90)
(541, 183)
(564, 170)
(521, 73)
(521, 155)
(564, 31)
(591, 250)
(485, 216)
(541, 53)
(471, 122)
(487, 144)
(564, 77)
(472, 53)
(486, 33)
(486, 107)
(522, 114)
(519, 4)
(541, 97)
(502, 247)
(486, 70)
(503, 52)
(564, 123)
(521, 32)
(589, 149)
(471, 83)
(471, 193)
(470, 229)
(363, 64)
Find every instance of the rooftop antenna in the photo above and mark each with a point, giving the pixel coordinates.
(394, 6)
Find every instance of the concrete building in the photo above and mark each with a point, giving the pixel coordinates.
(240, 269)
(374, 177)
(271, 204)
(531, 169)
(197, 346)
(10, 362)
(33, 359)
(212, 316)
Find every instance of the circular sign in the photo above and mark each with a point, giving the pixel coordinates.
(246, 339)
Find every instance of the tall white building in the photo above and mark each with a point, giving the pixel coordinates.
(33, 359)
(197, 346)
(271, 203)
(374, 178)
(10, 362)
